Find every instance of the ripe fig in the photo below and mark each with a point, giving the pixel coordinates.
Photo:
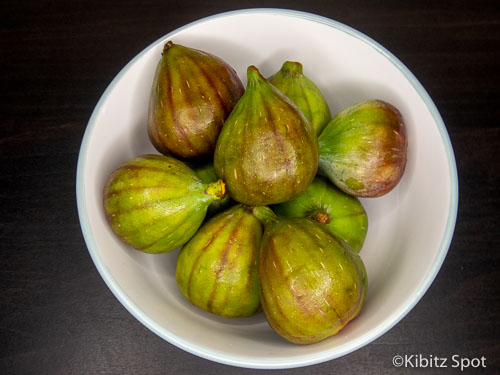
(156, 203)
(206, 173)
(363, 148)
(217, 270)
(267, 151)
(292, 82)
(193, 92)
(341, 214)
(312, 284)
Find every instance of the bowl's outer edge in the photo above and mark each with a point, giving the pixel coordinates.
(258, 363)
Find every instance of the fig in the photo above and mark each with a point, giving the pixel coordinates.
(217, 270)
(312, 284)
(156, 203)
(206, 173)
(342, 214)
(192, 94)
(363, 148)
(267, 151)
(292, 82)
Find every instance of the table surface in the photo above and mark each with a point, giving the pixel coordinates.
(57, 315)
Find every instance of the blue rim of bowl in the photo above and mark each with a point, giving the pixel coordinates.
(277, 363)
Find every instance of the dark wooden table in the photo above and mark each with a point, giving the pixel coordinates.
(56, 314)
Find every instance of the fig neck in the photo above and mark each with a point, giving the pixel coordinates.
(167, 46)
(292, 68)
(254, 78)
(216, 189)
(264, 214)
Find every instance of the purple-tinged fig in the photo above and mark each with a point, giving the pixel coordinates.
(267, 151)
(312, 284)
(193, 93)
(292, 82)
(363, 148)
(217, 270)
(156, 203)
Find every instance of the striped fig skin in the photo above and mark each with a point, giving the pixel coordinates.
(292, 82)
(217, 270)
(193, 93)
(267, 151)
(342, 214)
(363, 149)
(156, 203)
(312, 284)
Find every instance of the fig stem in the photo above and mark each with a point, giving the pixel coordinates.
(264, 214)
(254, 77)
(292, 67)
(217, 189)
(167, 46)
(321, 217)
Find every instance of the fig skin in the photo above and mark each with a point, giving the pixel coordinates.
(342, 214)
(193, 93)
(206, 173)
(156, 203)
(267, 151)
(301, 90)
(363, 149)
(217, 270)
(312, 284)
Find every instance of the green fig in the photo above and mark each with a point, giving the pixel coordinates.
(312, 284)
(206, 173)
(292, 82)
(267, 151)
(192, 94)
(363, 148)
(217, 270)
(341, 214)
(156, 203)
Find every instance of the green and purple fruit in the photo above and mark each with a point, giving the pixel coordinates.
(156, 203)
(193, 93)
(312, 284)
(217, 270)
(341, 214)
(363, 148)
(292, 82)
(267, 151)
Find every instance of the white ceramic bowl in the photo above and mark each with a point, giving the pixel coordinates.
(410, 229)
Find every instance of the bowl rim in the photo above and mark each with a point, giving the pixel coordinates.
(276, 363)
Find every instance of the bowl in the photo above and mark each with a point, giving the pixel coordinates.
(410, 229)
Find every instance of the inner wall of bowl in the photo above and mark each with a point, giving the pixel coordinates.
(405, 227)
